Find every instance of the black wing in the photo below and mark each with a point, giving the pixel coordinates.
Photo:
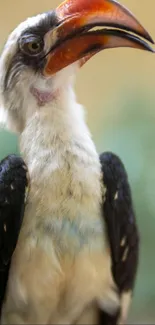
(13, 187)
(122, 229)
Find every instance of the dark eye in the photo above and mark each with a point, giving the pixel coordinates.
(34, 47)
(31, 45)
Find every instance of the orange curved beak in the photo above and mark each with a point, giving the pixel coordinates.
(76, 41)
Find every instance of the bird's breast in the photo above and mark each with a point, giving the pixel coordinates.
(65, 196)
(67, 228)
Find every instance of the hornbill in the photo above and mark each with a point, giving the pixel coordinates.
(76, 256)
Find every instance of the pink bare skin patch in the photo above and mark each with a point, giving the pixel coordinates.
(43, 97)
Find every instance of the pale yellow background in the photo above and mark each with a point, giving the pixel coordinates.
(102, 86)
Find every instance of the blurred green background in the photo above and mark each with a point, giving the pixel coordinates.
(117, 87)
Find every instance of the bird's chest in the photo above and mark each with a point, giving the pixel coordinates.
(64, 203)
(65, 213)
(61, 252)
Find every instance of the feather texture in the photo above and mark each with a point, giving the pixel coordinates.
(122, 231)
(13, 185)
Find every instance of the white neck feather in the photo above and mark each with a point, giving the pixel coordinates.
(54, 128)
(61, 157)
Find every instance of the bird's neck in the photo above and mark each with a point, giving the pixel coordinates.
(55, 132)
(62, 160)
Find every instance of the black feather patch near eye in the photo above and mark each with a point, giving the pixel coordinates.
(30, 50)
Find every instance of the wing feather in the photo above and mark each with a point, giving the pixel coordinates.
(13, 187)
(122, 231)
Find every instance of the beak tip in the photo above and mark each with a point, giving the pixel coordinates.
(149, 38)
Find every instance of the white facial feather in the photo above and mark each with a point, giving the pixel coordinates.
(18, 104)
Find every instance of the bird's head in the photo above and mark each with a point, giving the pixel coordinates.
(42, 54)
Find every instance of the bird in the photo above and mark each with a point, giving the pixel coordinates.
(69, 237)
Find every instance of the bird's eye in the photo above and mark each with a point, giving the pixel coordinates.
(31, 45)
(34, 47)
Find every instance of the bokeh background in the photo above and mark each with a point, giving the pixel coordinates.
(118, 89)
